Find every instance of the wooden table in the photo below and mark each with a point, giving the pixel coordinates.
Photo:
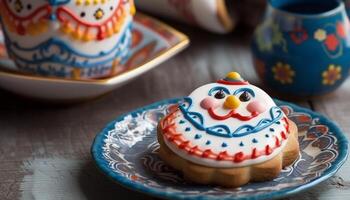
(45, 149)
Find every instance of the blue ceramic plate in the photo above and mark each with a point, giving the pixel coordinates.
(126, 151)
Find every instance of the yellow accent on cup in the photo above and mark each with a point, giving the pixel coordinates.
(132, 7)
(233, 75)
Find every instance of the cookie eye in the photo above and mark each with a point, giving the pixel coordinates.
(245, 96)
(220, 94)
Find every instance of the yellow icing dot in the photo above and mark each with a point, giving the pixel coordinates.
(233, 75)
(87, 37)
(87, 2)
(67, 28)
(116, 28)
(232, 102)
(78, 2)
(42, 26)
(110, 32)
(99, 14)
(132, 7)
(31, 28)
(77, 35)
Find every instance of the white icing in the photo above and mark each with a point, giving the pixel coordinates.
(233, 144)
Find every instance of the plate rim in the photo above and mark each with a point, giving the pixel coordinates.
(96, 152)
(160, 57)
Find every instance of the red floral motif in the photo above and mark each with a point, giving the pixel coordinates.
(2, 51)
(183, 7)
(157, 27)
(140, 56)
(341, 30)
(299, 35)
(136, 38)
(332, 42)
(260, 67)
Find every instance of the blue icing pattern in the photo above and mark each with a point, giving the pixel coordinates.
(197, 136)
(240, 90)
(218, 88)
(67, 55)
(58, 2)
(275, 115)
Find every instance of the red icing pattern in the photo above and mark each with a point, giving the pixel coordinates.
(268, 150)
(283, 135)
(18, 21)
(232, 83)
(239, 157)
(206, 153)
(169, 133)
(232, 114)
(254, 153)
(278, 142)
(65, 15)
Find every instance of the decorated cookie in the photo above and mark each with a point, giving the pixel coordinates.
(228, 133)
(68, 38)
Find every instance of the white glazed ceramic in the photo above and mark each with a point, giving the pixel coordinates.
(212, 15)
(153, 43)
(78, 39)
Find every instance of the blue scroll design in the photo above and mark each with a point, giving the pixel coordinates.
(67, 55)
(58, 2)
(224, 131)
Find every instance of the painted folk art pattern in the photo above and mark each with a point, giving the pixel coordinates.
(304, 55)
(127, 151)
(149, 38)
(212, 15)
(68, 38)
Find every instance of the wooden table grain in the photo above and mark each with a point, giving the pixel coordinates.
(45, 149)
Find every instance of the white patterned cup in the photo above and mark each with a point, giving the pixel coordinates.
(77, 39)
(212, 15)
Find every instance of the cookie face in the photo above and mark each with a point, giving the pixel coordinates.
(227, 124)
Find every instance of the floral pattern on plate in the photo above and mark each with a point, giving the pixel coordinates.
(127, 152)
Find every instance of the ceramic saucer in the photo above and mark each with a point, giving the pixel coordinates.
(126, 151)
(153, 43)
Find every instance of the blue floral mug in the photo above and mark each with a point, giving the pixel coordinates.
(302, 47)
